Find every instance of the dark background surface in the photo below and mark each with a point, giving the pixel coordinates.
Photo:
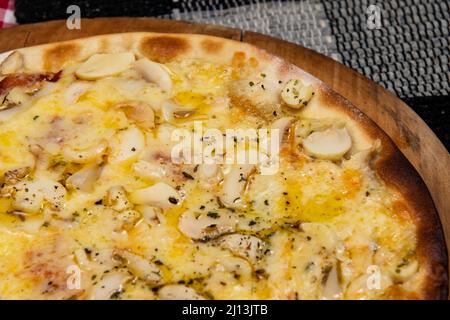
(409, 55)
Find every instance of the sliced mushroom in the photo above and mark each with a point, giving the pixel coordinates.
(245, 246)
(332, 289)
(129, 219)
(15, 175)
(171, 111)
(210, 171)
(139, 112)
(82, 258)
(234, 184)
(358, 160)
(159, 195)
(31, 224)
(236, 266)
(283, 125)
(42, 158)
(75, 90)
(361, 159)
(15, 97)
(102, 65)
(110, 284)
(357, 288)
(178, 292)
(165, 132)
(85, 155)
(295, 94)
(140, 267)
(116, 198)
(304, 127)
(205, 227)
(148, 170)
(330, 144)
(8, 111)
(129, 144)
(405, 270)
(30, 195)
(151, 215)
(85, 178)
(155, 73)
(12, 64)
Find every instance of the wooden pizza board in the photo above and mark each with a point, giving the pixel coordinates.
(409, 132)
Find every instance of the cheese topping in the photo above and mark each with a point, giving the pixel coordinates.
(93, 207)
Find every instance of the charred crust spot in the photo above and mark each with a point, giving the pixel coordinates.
(211, 46)
(164, 48)
(56, 56)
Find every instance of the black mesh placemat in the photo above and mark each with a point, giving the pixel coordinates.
(408, 55)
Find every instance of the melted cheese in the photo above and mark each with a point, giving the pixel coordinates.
(315, 217)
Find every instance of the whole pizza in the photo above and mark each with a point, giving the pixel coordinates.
(165, 166)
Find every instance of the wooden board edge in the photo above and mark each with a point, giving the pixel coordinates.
(53, 31)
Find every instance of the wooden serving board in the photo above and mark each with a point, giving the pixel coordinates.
(409, 132)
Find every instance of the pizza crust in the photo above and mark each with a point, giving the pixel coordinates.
(391, 166)
(396, 171)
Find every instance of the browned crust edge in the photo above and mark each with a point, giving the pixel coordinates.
(395, 170)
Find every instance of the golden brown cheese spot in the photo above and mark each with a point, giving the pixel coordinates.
(292, 157)
(164, 48)
(238, 60)
(57, 56)
(397, 292)
(352, 181)
(400, 209)
(253, 62)
(45, 266)
(361, 258)
(245, 108)
(212, 46)
(242, 66)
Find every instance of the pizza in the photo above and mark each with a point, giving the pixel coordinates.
(121, 178)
